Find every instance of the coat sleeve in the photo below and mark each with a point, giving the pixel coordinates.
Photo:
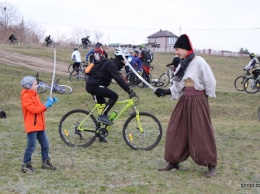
(30, 103)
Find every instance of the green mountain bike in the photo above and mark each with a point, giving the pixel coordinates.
(141, 130)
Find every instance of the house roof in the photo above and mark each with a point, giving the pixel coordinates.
(163, 33)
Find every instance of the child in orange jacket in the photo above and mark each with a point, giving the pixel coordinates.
(34, 123)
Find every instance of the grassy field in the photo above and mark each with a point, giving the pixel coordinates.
(114, 167)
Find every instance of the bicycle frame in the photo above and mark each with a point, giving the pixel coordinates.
(128, 103)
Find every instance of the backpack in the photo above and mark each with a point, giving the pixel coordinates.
(93, 67)
(148, 55)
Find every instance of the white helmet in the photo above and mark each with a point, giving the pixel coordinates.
(121, 52)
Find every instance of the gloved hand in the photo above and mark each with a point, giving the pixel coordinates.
(49, 102)
(2, 114)
(55, 100)
(131, 93)
(159, 92)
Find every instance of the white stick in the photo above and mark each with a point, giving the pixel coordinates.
(53, 73)
(137, 74)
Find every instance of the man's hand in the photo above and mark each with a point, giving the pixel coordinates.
(131, 93)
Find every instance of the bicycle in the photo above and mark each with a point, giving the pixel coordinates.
(167, 77)
(141, 130)
(62, 89)
(17, 42)
(252, 85)
(78, 74)
(239, 81)
(81, 66)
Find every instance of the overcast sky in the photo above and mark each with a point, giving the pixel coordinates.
(216, 24)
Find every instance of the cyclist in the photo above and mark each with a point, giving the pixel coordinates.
(48, 40)
(175, 62)
(135, 61)
(12, 37)
(85, 42)
(100, 78)
(91, 52)
(145, 62)
(76, 57)
(254, 63)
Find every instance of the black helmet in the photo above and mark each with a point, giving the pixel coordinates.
(98, 44)
(252, 55)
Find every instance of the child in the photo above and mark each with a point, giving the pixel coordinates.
(34, 123)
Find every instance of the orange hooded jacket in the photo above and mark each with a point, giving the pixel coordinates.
(33, 111)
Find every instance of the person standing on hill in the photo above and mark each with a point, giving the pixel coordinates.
(190, 131)
(34, 123)
(76, 58)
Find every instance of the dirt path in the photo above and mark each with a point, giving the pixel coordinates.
(35, 63)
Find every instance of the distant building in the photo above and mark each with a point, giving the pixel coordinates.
(162, 39)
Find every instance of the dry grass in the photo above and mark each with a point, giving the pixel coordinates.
(114, 167)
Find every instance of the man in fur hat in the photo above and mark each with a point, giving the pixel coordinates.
(190, 131)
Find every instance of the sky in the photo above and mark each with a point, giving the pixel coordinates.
(210, 24)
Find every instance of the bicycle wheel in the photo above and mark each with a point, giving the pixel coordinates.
(165, 78)
(69, 128)
(251, 85)
(64, 89)
(259, 113)
(146, 140)
(41, 89)
(70, 68)
(74, 75)
(239, 83)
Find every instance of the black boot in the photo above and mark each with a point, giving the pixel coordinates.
(169, 167)
(211, 171)
(27, 168)
(47, 165)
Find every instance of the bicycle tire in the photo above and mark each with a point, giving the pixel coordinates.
(147, 140)
(70, 68)
(239, 83)
(69, 133)
(73, 75)
(64, 89)
(165, 78)
(259, 113)
(251, 85)
(41, 89)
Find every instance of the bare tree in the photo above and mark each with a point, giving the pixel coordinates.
(98, 35)
(8, 15)
(78, 34)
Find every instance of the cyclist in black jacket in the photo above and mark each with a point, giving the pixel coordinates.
(100, 78)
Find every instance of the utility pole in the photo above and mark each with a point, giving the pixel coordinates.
(5, 18)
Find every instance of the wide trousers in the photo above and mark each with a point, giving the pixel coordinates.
(190, 131)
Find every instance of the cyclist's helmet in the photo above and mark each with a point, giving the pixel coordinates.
(120, 52)
(98, 45)
(75, 48)
(252, 55)
(142, 46)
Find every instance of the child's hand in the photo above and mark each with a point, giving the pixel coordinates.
(49, 102)
(55, 100)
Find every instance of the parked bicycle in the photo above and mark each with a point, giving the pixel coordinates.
(141, 131)
(167, 77)
(252, 85)
(62, 89)
(240, 80)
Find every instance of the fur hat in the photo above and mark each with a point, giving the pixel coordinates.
(27, 82)
(183, 42)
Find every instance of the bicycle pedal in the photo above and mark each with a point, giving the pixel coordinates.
(102, 140)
